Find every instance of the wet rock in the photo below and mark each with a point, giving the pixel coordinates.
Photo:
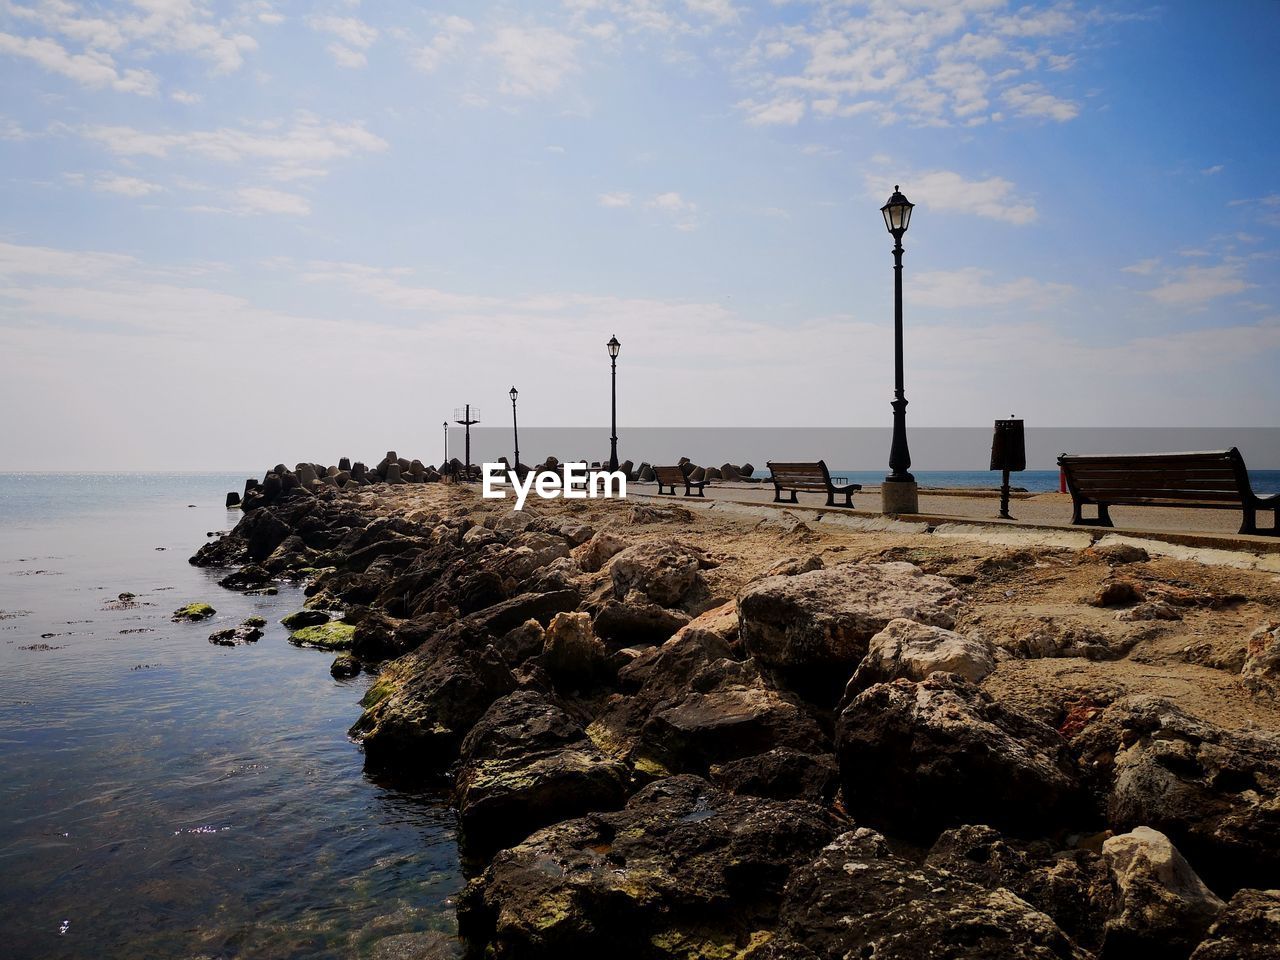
(599, 550)
(910, 650)
(664, 572)
(344, 665)
(1212, 791)
(251, 576)
(1248, 928)
(334, 635)
(236, 636)
(857, 899)
(424, 945)
(193, 612)
(1261, 670)
(684, 869)
(573, 655)
(305, 618)
(1073, 887)
(919, 757)
(782, 774)
(817, 625)
(525, 765)
(1162, 908)
(636, 622)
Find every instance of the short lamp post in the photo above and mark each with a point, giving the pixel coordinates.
(515, 428)
(614, 348)
(898, 493)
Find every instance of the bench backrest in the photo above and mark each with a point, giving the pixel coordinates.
(1215, 477)
(668, 475)
(812, 475)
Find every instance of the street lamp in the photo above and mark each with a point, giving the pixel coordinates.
(898, 493)
(445, 463)
(614, 346)
(515, 429)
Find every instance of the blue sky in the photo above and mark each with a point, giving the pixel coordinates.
(237, 233)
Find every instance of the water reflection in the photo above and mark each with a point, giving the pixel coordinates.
(165, 796)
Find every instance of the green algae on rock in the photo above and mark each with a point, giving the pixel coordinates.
(193, 612)
(324, 636)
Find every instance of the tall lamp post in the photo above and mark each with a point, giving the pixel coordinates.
(614, 347)
(515, 428)
(898, 493)
(446, 445)
(467, 418)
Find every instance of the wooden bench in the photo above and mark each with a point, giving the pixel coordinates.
(809, 476)
(1213, 481)
(671, 476)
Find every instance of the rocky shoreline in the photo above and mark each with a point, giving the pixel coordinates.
(669, 736)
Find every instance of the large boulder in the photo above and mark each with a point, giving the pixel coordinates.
(1214, 792)
(664, 572)
(636, 622)
(817, 625)
(596, 552)
(919, 757)
(910, 650)
(782, 773)
(572, 654)
(1162, 908)
(527, 764)
(858, 899)
(684, 869)
(1248, 928)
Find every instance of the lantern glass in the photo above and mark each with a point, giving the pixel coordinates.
(897, 213)
(514, 393)
(614, 347)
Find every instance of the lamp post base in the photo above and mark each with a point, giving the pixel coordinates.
(899, 496)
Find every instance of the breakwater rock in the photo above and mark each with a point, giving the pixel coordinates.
(808, 764)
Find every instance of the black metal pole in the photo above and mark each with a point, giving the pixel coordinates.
(468, 429)
(1004, 495)
(899, 455)
(515, 434)
(613, 444)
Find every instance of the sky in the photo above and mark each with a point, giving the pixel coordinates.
(238, 233)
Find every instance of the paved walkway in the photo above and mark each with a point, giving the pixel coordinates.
(1052, 510)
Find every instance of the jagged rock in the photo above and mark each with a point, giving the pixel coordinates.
(685, 869)
(376, 637)
(576, 534)
(572, 654)
(1248, 928)
(596, 552)
(344, 665)
(1073, 887)
(919, 757)
(1054, 637)
(719, 624)
(782, 774)
(910, 650)
(634, 623)
(664, 572)
(816, 625)
(236, 636)
(521, 643)
(1261, 670)
(857, 899)
(525, 765)
(1212, 791)
(727, 711)
(1162, 908)
(251, 576)
(791, 566)
(1150, 610)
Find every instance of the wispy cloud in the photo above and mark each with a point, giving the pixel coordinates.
(1194, 285)
(354, 37)
(126, 186)
(994, 198)
(535, 60)
(973, 287)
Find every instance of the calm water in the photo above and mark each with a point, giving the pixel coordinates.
(165, 797)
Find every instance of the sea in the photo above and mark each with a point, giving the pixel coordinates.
(166, 797)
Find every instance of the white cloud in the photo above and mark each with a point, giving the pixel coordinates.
(721, 11)
(971, 287)
(1032, 100)
(947, 191)
(1143, 268)
(126, 186)
(93, 69)
(1194, 285)
(788, 112)
(444, 44)
(619, 199)
(354, 38)
(305, 148)
(1214, 170)
(265, 200)
(535, 60)
(185, 96)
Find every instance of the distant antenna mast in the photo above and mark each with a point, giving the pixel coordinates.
(466, 416)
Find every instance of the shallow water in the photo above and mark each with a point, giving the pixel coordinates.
(163, 796)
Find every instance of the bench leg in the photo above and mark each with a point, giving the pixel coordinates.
(1104, 515)
(777, 494)
(1078, 519)
(848, 500)
(1250, 523)
(795, 496)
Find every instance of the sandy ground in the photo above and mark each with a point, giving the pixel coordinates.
(1017, 595)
